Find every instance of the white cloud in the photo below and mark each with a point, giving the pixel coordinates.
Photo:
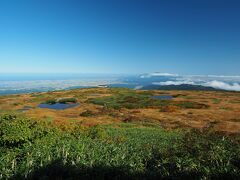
(222, 76)
(158, 74)
(215, 84)
(223, 85)
(173, 83)
(231, 83)
(162, 74)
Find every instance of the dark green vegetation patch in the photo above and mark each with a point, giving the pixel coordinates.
(130, 101)
(67, 100)
(140, 100)
(191, 105)
(62, 101)
(51, 101)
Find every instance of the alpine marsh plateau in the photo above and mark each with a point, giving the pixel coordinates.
(118, 133)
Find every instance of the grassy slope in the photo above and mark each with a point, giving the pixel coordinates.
(34, 150)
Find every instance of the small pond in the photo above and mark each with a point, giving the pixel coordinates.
(162, 97)
(58, 106)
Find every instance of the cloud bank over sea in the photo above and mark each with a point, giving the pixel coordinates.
(28, 84)
(231, 83)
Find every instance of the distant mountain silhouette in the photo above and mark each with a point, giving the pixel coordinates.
(179, 87)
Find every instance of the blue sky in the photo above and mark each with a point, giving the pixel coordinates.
(120, 36)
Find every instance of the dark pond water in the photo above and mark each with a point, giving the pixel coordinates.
(58, 106)
(162, 97)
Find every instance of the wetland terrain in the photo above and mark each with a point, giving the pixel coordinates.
(119, 133)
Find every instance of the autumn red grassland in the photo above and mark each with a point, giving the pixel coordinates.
(222, 114)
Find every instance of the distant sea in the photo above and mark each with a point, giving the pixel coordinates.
(28, 83)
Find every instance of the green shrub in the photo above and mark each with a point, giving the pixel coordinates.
(15, 131)
(96, 132)
(68, 100)
(216, 101)
(62, 101)
(51, 101)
